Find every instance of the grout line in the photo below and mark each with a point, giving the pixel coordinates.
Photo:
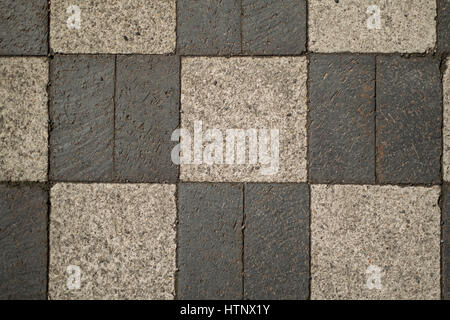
(244, 220)
(113, 173)
(375, 125)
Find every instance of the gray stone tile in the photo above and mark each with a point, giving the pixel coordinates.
(120, 236)
(276, 241)
(209, 27)
(23, 242)
(443, 26)
(23, 27)
(210, 241)
(273, 27)
(446, 129)
(409, 120)
(147, 112)
(351, 25)
(23, 119)
(260, 95)
(375, 242)
(113, 26)
(82, 118)
(446, 242)
(342, 119)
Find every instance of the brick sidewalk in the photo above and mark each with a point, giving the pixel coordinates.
(315, 149)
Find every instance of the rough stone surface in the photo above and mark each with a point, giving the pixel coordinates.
(276, 245)
(114, 26)
(23, 119)
(23, 27)
(446, 243)
(23, 242)
(121, 236)
(247, 93)
(210, 241)
(443, 26)
(82, 117)
(342, 120)
(446, 131)
(341, 26)
(396, 229)
(409, 120)
(147, 112)
(209, 27)
(273, 27)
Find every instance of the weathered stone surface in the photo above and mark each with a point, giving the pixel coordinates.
(147, 112)
(209, 27)
(276, 241)
(358, 232)
(23, 27)
(446, 129)
(246, 93)
(342, 26)
(23, 119)
(409, 120)
(210, 241)
(443, 26)
(273, 27)
(23, 242)
(82, 118)
(445, 242)
(122, 237)
(114, 26)
(342, 120)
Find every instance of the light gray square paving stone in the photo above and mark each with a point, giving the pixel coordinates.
(353, 25)
(114, 26)
(375, 242)
(23, 119)
(121, 236)
(245, 93)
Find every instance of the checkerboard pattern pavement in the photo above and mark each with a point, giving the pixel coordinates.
(93, 205)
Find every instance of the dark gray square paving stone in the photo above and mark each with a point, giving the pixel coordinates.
(209, 27)
(23, 27)
(82, 118)
(445, 259)
(342, 119)
(147, 112)
(276, 241)
(443, 26)
(409, 120)
(210, 241)
(273, 27)
(23, 242)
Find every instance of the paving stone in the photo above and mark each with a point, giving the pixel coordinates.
(276, 241)
(273, 27)
(147, 112)
(443, 23)
(446, 242)
(243, 94)
(342, 119)
(122, 238)
(446, 129)
(362, 234)
(82, 117)
(343, 26)
(23, 242)
(409, 120)
(209, 27)
(210, 241)
(23, 27)
(23, 119)
(115, 26)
